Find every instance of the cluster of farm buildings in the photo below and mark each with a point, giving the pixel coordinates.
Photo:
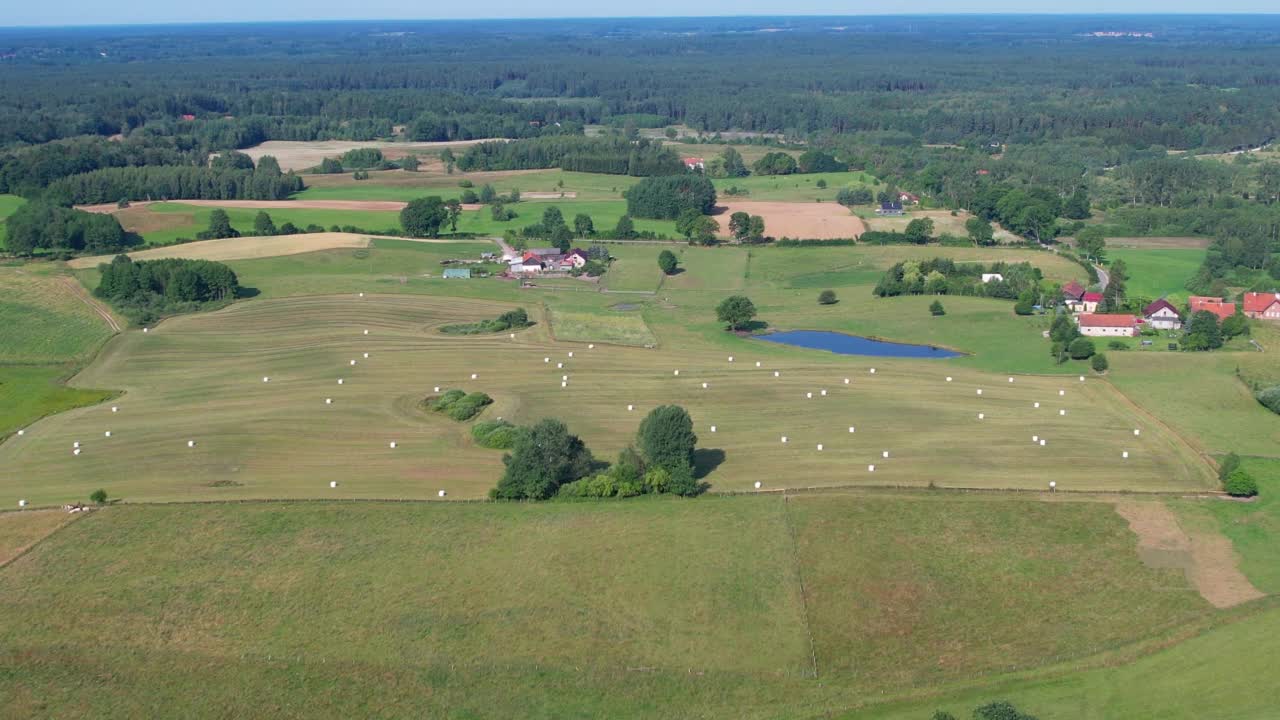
(1161, 314)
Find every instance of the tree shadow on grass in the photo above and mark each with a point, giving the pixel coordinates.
(706, 460)
(752, 327)
(247, 292)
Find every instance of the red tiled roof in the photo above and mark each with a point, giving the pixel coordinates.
(692, 160)
(1158, 305)
(1258, 302)
(1214, 305)
(1093, 297)
(1090, 320)
(1073, 289)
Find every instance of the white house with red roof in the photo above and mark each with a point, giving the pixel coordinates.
(907, 198)
(694, 163)
(1262, 306)
(1094, 325)
(1090, 301)
(1162, 315)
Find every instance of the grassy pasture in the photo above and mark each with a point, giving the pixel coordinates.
(793, 188)
(619, 329)
(1156, 273)
(644, 609)
(280, 440)
(9, 204)
(191, 219)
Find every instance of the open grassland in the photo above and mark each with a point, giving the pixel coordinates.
(620, 328)
(187, 220)
(1252, 527)
(791, 188)
(9, 204)
(1199, 395)
(241, 248)
(740, 607)
(1213, 675)
(944, 223)
(46, 332)
(43, 320)
(604, 215)
(399, 185)
(1156, 273)
(279, 439)
(20, 530)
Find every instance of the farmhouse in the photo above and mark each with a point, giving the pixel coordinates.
(1073, 291)
(907, 198)
(1214, 305)
(990, 277)
(527, 264)
(1262, 306)
(889, 209)
(1161, 315)
(1108, 325)
(694, 163)
(1090, 302)
(457, 274)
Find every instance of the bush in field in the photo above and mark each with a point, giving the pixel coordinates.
(494, 434)
(460, 405)
(936, 309)
(99, 496)
(1229, 464)
(1099, 363)
(1081, 349)
(510, 320)
(667, 262)
(1270, 398)
(1000, 711)
(827, 297)
(1240, 484)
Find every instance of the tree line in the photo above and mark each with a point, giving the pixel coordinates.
(148, 289)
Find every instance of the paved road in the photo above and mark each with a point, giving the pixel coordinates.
(1104, 277)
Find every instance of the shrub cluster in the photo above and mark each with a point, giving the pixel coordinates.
(146, 289)
(510, 320)
(944, 276)
(1270, 398)
(667, 197)
(459, 405)
(494, 434)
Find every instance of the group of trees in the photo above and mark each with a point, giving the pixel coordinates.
(169, 182)
(668, 197)
(944, 276)
(612, 156)
(746, 228)
(426, 216)
(147, 289)
(362, 160)
(1030, 212)
(1203, 331)
(1236, 481)
(546, 461)
(39, 226)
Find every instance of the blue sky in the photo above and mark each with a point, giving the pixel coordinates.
(91, 12)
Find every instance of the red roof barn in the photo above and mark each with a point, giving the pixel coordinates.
(1214, 305)
(1264, 306)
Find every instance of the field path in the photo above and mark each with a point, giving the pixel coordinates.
(72, 286)
(1208, 559)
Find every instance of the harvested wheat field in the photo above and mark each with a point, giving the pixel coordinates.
(819, 221)
(241, 248)
(296, 155)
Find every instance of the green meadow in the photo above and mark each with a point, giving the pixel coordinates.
(9, 204)
(1156, 273)
(755, 607)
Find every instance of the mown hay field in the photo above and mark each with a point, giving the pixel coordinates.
(199, 378)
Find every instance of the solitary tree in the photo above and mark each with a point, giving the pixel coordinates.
(667, 440)
(410, 163)
(1081, 348)
(919, 230)
(262, 224)
(453, 209)
(936, 309)
(980, 231)
(827, 297)
(1099, 363)
(736, 310)
(98, 496)
(625, 229)
(583, 226)
(739, 225)
(220, 225)
(424, 216)
(668, 262)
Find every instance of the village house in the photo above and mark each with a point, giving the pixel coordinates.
(1162, 315)
(1089, 303)
(889, 209)
(694, 163)
(1093, 325)
(1214, 305)
(1262, 306)
(548, 260)
(1073, 296)
(990, 277)
(529, 263)
(907, 198)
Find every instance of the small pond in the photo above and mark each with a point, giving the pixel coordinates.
(843, 344)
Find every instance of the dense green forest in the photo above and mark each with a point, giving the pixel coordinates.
(1033, 122)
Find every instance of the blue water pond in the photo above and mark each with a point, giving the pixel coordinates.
(843, 344)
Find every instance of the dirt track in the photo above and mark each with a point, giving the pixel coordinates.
(1208, 560)
(817, 221)
(245, 248)
(83, 296)
(294, 155)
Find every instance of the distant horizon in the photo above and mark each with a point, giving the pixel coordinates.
(116, 22)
